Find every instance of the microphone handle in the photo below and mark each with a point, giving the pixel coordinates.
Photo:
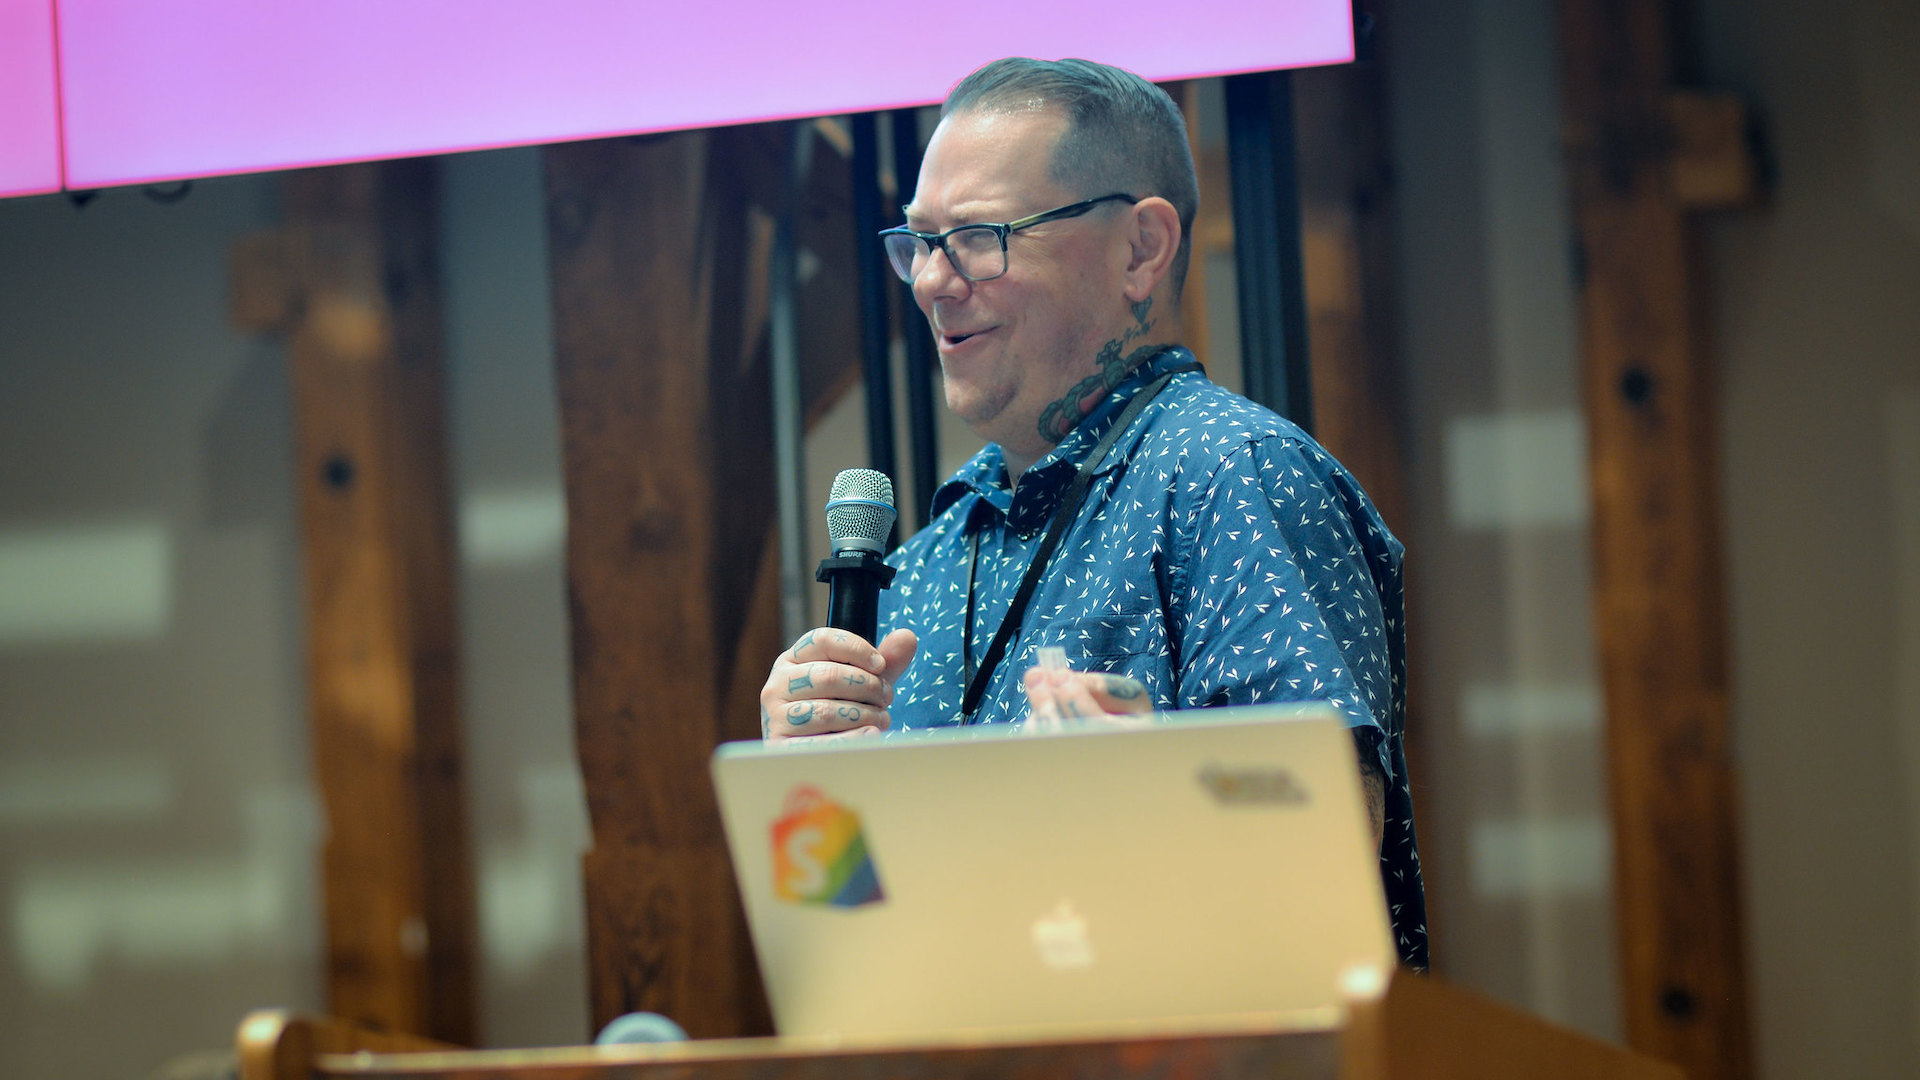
(854, 580)
(854, 605)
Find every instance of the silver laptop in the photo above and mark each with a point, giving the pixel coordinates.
(991, 881)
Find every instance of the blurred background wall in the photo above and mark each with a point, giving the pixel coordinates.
(1504, 676)
(1816, 312)
(158, 830)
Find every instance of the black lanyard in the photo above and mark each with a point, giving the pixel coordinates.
(1063, 515)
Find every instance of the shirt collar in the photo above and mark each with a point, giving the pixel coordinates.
(1029, 508)
(985, 474)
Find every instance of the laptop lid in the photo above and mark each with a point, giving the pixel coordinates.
(983, 878)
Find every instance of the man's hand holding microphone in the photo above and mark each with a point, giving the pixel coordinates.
(833, 683)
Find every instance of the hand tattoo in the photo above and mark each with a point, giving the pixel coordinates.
(1115, 365)
(804, 682)
(766, 724)
(848, 712)
(1119, 686)
(800, 713)
(805, 640)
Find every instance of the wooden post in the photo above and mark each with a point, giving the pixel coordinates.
(352, 281)
(1347, 259)
(1347, 255)
(1659, 594)
(670, 557)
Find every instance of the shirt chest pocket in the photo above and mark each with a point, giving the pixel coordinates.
(1106, 642)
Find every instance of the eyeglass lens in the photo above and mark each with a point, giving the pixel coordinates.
(975, 252)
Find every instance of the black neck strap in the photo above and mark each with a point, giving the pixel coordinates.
(1063, 516)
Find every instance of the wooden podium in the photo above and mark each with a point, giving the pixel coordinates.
(1418, 1028)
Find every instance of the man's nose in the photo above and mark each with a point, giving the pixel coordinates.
(938, 280)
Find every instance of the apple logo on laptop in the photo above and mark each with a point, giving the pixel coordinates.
(1060, 937)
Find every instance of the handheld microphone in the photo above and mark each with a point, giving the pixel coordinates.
(860, 515)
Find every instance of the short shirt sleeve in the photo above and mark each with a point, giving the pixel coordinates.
(1278, 602)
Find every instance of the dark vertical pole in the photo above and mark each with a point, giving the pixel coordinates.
(920, 419)
(788, 395)
(874, 362)
(1266, 245)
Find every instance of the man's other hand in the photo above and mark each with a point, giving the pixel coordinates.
(1057, 695)
(833, 684)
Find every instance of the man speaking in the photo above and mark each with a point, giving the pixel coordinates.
(1185, 546)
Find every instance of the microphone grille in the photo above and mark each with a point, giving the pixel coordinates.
(860, 509)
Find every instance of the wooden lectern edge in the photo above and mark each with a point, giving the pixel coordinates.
(277, 1044)
(1412, 1026)
(1326, 1019)
(1423, 1027)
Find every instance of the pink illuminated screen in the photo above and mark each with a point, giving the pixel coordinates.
(160, 90)
(29, 106)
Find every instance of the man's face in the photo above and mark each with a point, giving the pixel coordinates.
(1011, 346)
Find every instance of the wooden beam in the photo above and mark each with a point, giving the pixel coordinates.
(1347, 260)
(352, 281)
(670, 557)
(1656, 540)
(1714, 165)
(1347, 257)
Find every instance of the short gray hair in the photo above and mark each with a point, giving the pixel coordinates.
(1123, 133)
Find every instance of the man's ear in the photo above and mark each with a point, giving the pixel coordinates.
(1154, 239)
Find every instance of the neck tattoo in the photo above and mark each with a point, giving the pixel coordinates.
(1115, 363)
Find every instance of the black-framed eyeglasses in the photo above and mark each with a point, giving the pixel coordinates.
(977, 252)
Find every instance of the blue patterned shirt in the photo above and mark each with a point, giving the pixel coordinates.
(1221, 557)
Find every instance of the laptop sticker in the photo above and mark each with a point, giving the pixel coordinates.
(1254, 786)
(820, 855)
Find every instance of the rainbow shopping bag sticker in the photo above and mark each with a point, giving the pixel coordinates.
(819, 853)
